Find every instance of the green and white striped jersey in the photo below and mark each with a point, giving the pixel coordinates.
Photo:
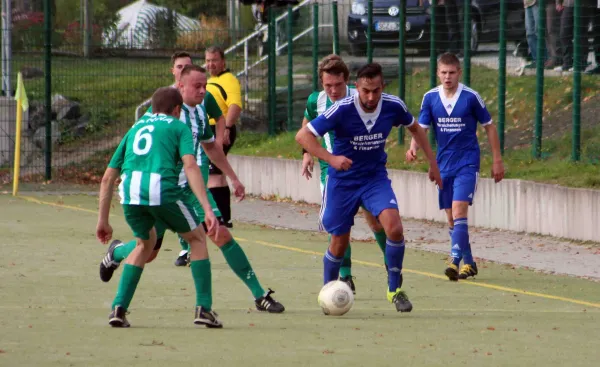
(317, 103)
(196, 120)
(149, 157)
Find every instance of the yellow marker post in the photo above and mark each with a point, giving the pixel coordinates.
(22, 105)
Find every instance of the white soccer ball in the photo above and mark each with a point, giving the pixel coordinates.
(336, 298)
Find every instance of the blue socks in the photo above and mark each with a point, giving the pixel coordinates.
(460, 237)
(331, 267)
(455, 251)
(394, 253)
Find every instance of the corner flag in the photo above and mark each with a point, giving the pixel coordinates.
(22, 105)
(20, 94)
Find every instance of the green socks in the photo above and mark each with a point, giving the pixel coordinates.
(381, 238)
(184, 245)
(123, 251)
(203, 282)
(238, 262)
(346, 268)
(129, 281)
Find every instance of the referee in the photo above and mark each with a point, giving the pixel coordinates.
(225, 88)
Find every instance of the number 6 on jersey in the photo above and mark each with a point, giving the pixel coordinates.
(140, 136)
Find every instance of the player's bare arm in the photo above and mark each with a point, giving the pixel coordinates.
(411, 153)
(308, 162)
(233, 114)
(107, 186)
(194, 177)
(221, 131)
(420, 137)
(219, 159)
(497, 165)
(310, 143)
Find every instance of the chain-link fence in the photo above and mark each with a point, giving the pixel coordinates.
(106, 57)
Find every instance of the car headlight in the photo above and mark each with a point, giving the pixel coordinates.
(358, 9)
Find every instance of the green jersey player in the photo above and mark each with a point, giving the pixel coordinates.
(334, 75)
(179, 60)
(193, 86)
(148, 161)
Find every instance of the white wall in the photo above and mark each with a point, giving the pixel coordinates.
(514, 205)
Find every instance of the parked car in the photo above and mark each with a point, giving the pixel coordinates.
(485, 17)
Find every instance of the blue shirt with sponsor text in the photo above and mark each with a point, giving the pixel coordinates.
(455, 122)
(361, 136)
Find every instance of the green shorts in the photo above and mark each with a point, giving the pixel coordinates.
(324, 166)
(189, 195)
(179, 217)
(190, 199)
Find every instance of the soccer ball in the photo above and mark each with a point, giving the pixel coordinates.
(336, 298)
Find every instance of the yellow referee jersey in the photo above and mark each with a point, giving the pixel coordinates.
(227, 91)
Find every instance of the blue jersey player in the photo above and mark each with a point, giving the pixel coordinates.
(454, 110)
(357, 174)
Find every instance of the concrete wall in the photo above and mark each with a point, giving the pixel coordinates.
(514, 205)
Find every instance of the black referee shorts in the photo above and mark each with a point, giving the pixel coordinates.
(212, 169)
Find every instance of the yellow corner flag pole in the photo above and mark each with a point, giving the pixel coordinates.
(22, 105)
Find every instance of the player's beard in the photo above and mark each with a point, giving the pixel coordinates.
(367, 108)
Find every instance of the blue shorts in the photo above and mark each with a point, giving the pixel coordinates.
(342, 198)
(459, 187)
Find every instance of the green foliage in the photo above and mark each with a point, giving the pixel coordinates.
(163, 33)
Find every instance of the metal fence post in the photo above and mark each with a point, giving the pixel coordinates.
(402, 61)
(48, 86)
(315, 47)
(336, 29)
(6, 47)
(539, 96)
(432, 60)
(369, 32)
(272, 71)
(290, 78)
(577, 61)
(502, 76)
(467, 43)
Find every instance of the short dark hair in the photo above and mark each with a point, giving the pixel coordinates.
(191, 67)
(216, 50)
(179, 55)
(370, 71)
(450, 59)
(165, 100)
(333, 64)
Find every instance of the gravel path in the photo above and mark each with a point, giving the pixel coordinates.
(542, 253)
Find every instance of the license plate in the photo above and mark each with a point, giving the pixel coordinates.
(387, 26)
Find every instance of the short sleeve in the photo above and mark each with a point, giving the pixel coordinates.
(119, 155)
(186, 142)
(212, 108)
(310, 113)
(327, 121)
(480, 110)
(403, 117)
(425, 115)
(234, 92)
(207, 134)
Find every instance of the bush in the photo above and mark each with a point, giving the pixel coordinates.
(74, 34)
(163, 32)
(28, 32)
(214, 31)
